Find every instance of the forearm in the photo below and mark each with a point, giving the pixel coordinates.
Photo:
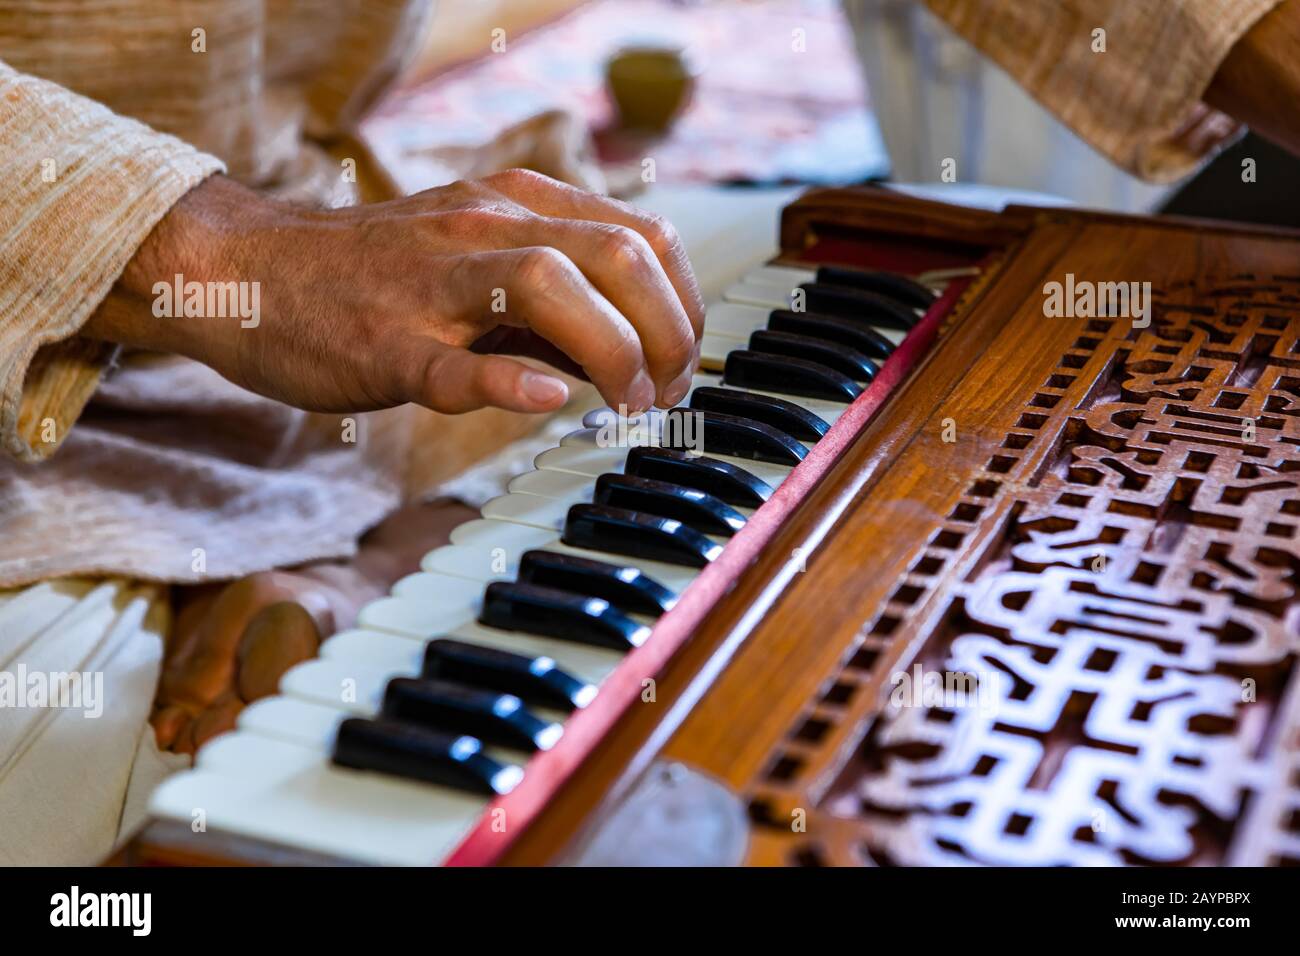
(1259, 82)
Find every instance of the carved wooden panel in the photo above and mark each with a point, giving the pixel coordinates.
(1112, 679)
(1085, 528)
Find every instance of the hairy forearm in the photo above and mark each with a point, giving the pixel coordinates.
(1259, 82)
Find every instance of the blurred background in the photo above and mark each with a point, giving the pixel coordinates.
(625, 95)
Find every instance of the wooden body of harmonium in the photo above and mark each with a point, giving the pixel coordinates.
(1029, 599)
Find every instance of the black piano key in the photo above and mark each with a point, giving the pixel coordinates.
(830, 328)
(550, 612)
(416, 753)
(855, 304)
(701, 511)
(618, 531)
(907, 291)
(621, 585)
(845, 360)
(534, 680)
(794, 420)
(491, 716)
(787, 376)
(722, 479)
(687, 429)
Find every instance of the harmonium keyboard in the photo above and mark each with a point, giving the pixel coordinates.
(975, 543)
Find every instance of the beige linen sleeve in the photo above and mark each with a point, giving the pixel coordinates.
(83, 187)
(1139, 102)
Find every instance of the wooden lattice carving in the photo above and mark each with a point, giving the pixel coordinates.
(1094, 521)
(1133, 626)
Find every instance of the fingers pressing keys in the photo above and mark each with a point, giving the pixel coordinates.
(476, 662)
(673, 505)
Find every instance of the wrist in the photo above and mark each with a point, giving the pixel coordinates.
(191, 240)
(195, 242)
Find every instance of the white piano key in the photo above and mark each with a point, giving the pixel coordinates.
(356, 686)
(560, 485)
(421, 614)
(442, 592)
(480, 531)
(471, 562)
(582, 459)
(399, 652)
(714, 350)
(732, 321)
(759, 294)
(527, 510)
(293, 720)
(255, 786)
(484, 550)
(780, 275)
(413, 616)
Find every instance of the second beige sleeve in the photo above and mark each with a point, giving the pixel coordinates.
(1127, 75)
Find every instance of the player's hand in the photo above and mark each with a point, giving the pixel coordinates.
(422, 299)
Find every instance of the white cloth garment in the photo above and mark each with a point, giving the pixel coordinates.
(73, 779)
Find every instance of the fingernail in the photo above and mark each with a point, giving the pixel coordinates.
(677, 389)
(640, 394)
(543, 389)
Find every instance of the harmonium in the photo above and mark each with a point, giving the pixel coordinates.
(976, 542)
